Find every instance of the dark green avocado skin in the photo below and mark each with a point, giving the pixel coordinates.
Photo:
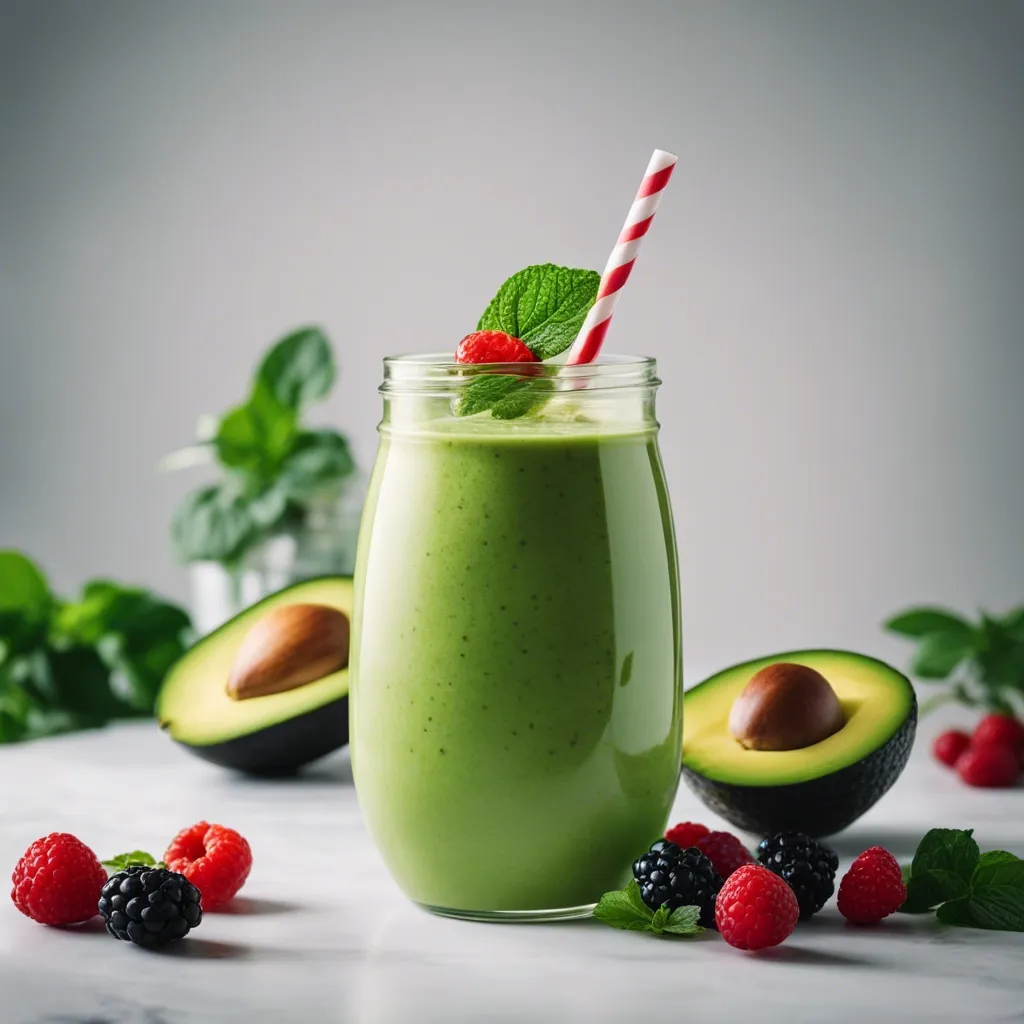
(819, 807)
(285, 747)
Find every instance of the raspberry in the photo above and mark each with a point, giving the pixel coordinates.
(493, 347)
(950, 745)
(873, 887)
(215, 859)
(724, 851)
(1000, 730)
(58, 880)
(686, 833)
(989, 767)
(755, 908)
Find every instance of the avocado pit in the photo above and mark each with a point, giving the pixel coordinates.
(785, 707)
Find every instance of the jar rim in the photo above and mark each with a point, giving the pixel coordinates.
(435, 371)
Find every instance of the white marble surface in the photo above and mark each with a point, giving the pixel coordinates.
(322, 935)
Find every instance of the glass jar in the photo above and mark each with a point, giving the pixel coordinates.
(516, 681)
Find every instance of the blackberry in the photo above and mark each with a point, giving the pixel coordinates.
(808, 867)
(149, 906)
(680, 878)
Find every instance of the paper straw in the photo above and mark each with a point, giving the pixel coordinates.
(588, 342)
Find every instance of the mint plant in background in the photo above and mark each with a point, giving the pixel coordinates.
(68, 665)
(980, 663)
(273, 468)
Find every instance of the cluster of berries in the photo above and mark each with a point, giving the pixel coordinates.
(60, 881)
(755, 903)
(992, 756)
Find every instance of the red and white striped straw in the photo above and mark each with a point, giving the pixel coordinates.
(588, 342)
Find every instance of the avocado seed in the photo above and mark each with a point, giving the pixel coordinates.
(785, 707)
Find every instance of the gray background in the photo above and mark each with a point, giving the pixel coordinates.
(833, 287)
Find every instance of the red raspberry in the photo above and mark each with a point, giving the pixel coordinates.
(215, 859)
(686, 834)
(755, 908)
(493, 347)
(873, 887)
(950, 745)
(724, 851)
(1002, 731)
(58, 880)
(989, 767)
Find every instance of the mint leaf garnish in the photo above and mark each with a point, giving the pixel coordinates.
(543, 305)
(136, 857)
(625, 909)
(507, 396)
(956, 912)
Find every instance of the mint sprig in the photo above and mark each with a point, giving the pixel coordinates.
(544, 306)
(963, 886)
(136, 858)
(625, 909)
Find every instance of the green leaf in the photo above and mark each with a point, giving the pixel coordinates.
(254, 438)
(212, 524)
(1013, 622)
(319, 460)
(684, 921)
(956, 912)
(625, 909)
(660, 919)
(139, 857)
(947, 849)
(81, 683)
(544, 305)
(998, 907)
(939, 653)
(25, 603)
(486, 391)
(929, 888)
(998, 868)
(920, 622)
(299, 369)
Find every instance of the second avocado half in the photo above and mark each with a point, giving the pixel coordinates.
(818, 789)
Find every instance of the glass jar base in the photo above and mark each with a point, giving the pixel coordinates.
(513, 916)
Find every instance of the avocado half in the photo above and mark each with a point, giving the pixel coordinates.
(819, 789)
(269, 735)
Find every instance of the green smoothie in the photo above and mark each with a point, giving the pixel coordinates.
(516, 692)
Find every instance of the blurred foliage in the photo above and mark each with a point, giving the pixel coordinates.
(68, 665)
(272, 467)
(980, 663)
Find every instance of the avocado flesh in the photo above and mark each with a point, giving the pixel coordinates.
(819, 789)
(271, 734)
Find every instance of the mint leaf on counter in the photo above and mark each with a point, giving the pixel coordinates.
(625, 909)
(970, 889)
(544, 305)
(684, 921)
(139, 857)
(947, 849)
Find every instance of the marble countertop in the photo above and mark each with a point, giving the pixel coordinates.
(321, 934)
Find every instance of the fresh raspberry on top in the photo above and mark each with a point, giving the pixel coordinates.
(1000, 730)
(215, 859)
(948, 746)
(686, 833)
(58, 880)
(989, 767)
(873, 887)
(725, 852)
(493, 347)
(755, 908)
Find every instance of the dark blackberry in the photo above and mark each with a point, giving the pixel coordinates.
(680, 878)
(808, 867)
(149, 906)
